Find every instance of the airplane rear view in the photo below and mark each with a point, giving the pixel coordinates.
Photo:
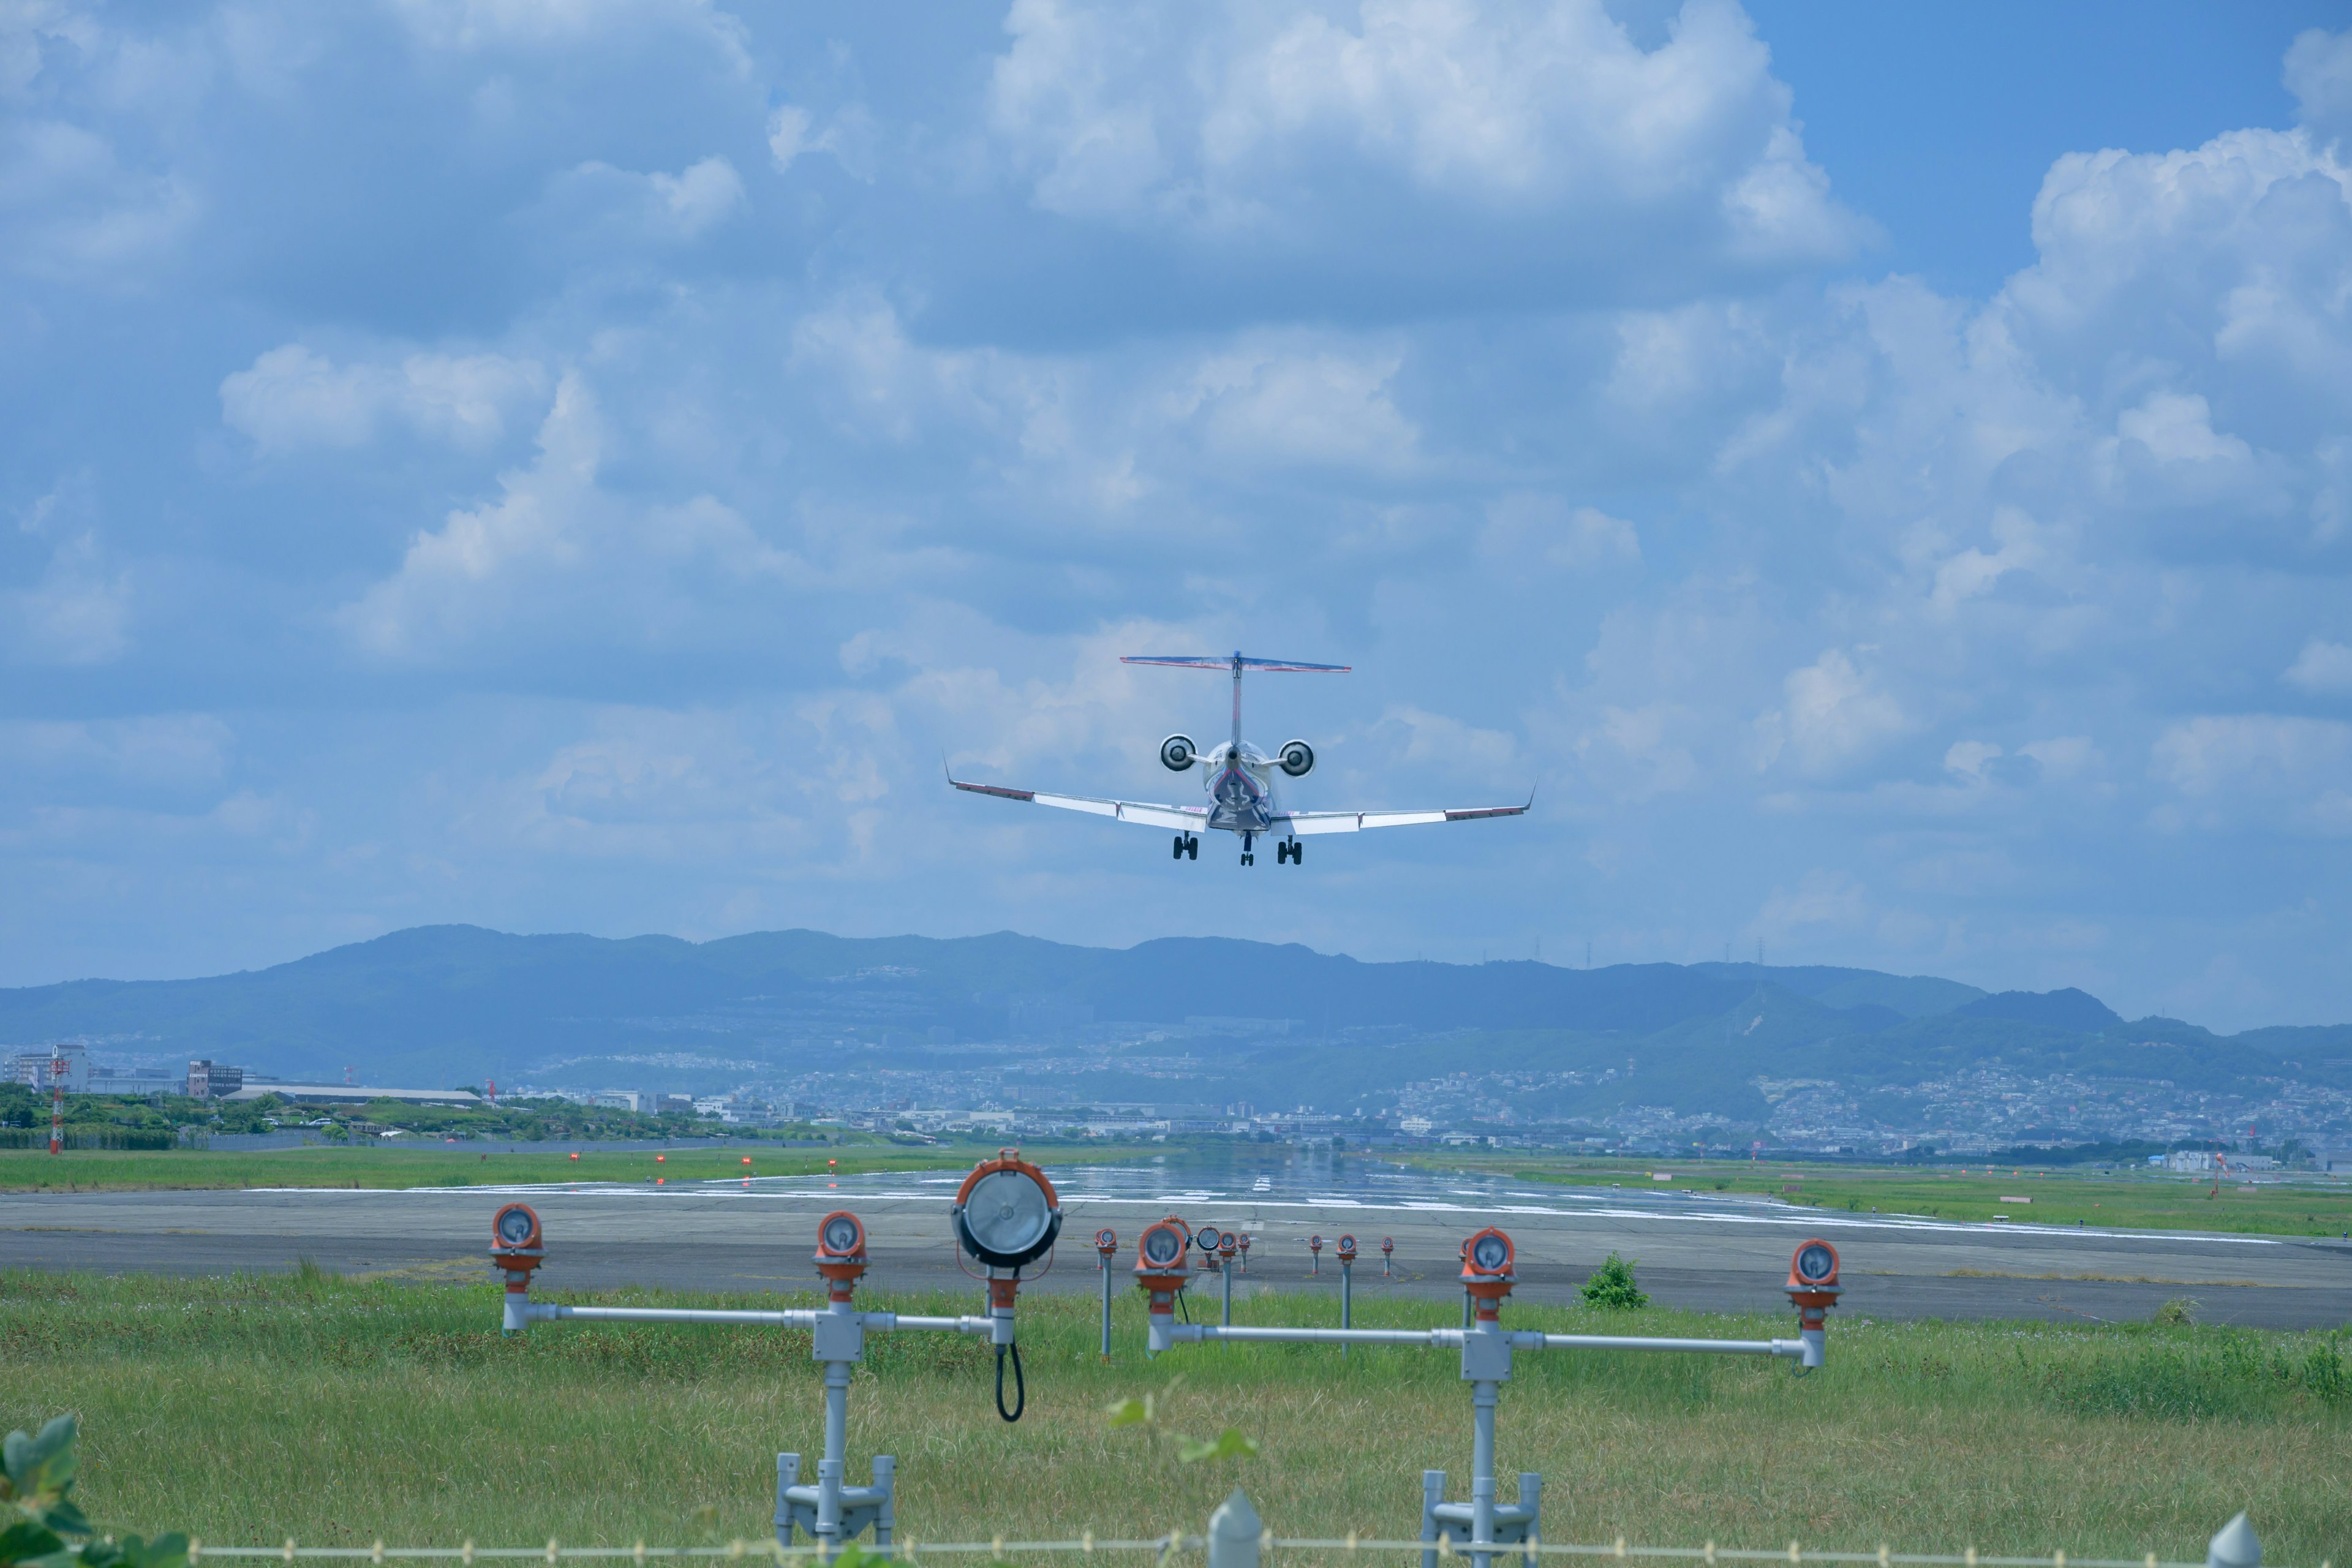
(1240, 782)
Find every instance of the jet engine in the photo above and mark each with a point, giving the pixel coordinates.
(1298, 759)
(1176, 754)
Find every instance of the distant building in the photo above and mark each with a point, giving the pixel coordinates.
(355, 1094)
(214, 1080)
(621, 1098)
(121, 1080)
(35, 1067)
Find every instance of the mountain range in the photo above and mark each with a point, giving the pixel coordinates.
(444, 1005)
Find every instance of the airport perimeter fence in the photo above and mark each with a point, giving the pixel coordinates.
(86, 1137)
(1234, 1539)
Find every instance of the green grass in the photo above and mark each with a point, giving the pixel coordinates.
(439, 1165)
(2149, 1202)
(256, 1408)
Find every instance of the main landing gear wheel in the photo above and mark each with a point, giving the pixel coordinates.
(1249, 841)
(1187, 845)
(1291, 849)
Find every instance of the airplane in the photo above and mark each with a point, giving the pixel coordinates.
(1239, 779)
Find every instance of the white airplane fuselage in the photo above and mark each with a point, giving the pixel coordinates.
(1241, 788)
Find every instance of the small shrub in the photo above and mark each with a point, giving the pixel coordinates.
(2176, 1313)
(1613, 1285)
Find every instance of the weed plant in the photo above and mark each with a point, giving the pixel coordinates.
(253, 1408)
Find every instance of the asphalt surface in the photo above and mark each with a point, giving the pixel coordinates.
(1702, 1251)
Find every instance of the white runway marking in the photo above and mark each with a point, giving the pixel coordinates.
(738, 1189)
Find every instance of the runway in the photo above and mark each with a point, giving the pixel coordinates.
(1699, 1250)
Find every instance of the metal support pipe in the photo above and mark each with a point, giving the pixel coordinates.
(836, 1453)
(544, 1311)
(1347, 1300)
(1482, 1468)
(1198, 1333)
(1794, 1350)
(1106, 1326)
(1228, 1319)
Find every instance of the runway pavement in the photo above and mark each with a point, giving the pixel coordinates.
(1703, 1251)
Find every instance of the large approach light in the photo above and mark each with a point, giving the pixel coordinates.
(1006, 1213)
(516, 1227)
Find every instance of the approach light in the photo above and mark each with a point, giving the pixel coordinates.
(1162, 1247)
(1225, 1247)
(1815, 1267)
(1006, 1213)
(1315, 1243)
(1487, 1255)
(1388, 1244)
(1347, 1250)
(840, 1235)
(1106, 1241)
(516, 1227)
(1208, 1238)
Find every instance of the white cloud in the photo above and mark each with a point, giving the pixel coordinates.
(1836, 716)
(2319, 73)
(848, 137)
(556, 551)
(1528, 526)
(1544, 119)
(700, 194)
(1278, 406)
(294, 398)
(2065, 758)
(2323, 669)
(79, 612)
(1969, 759)
(656, 207)
(2256, 769)
(172, 749)
(74, 214)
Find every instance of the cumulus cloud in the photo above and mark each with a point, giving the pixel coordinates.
(2323, 669)
(2319, 73)
(78, 612)
(73, 211)
(556, 551)
(1521, 527)
(294, 398)
(2269, 766)
(658, 208)
(1274, 404)
(1835, 716)
(1432, 126)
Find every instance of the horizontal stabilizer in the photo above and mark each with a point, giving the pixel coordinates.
(1232, 662)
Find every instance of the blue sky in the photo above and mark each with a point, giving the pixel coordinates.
(1884, 473)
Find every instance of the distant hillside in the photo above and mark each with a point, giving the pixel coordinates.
(446, 1005)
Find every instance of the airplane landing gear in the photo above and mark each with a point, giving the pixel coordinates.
(1248, 840)
(1291, 849)
(1187, 845)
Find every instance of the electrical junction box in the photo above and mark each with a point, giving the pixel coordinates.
(839, 1337)
(1486, 1357)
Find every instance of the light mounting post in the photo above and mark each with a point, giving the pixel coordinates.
(1006, 1215)
(1484, 1527)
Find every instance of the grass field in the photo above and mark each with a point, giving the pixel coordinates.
(252, 1409)
(2059, 1197)
(455, 1165)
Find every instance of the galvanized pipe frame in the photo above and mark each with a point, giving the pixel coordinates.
(839, 1333)
(1486, 1351)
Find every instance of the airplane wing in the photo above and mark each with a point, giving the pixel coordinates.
(1303, 823)
(1187, 819)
